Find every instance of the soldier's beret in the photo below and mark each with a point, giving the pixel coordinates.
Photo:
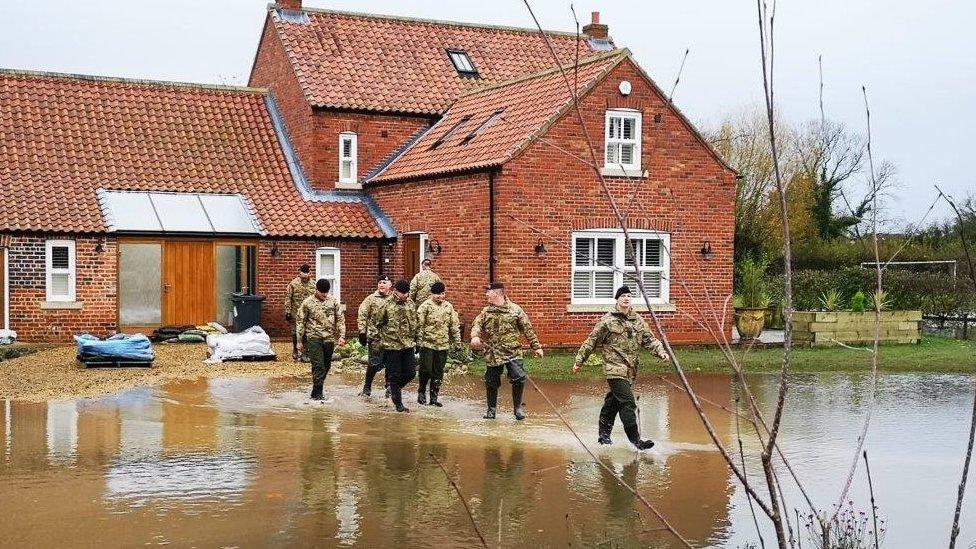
(305, 268)
(437, 288)
(383, 278)
(323, 285)
(402, 286)
(496, 286)
(621, 291)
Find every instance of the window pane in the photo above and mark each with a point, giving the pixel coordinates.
(60, 284)
(605, 248)
(603, 284)
(628, 128)
(227, 282)
(583, 251)
(626, 154)
(612, 153)
(60, 257)
(582, 285)
(326, 266)
(346, 169)
(140, 284)
(613, 127)
(652, 284)
(653, 254)
(346, 147)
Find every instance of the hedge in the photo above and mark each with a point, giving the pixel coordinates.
(931, 292)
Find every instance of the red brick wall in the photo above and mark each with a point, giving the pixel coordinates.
(315, 133)
(95, 289)
(453, 211)
(687, 193)
(358, 277)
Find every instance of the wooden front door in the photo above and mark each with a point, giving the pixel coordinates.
(411, 255)
(188, 282)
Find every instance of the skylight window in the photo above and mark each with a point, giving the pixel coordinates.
(462, 62)
(483, 126)
(440, 141)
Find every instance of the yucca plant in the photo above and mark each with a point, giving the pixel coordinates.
(830, 300)
(880, 300)
(752, 291)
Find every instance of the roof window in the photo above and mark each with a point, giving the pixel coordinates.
(462, 62)
(484, 125)
(440, 140)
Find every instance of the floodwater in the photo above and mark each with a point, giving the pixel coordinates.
(250, 462)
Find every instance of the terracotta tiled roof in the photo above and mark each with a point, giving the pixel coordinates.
(515, 112)
(382, 63)
(63, 137)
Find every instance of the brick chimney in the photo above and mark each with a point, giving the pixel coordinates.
(595, 29)
(290, 4)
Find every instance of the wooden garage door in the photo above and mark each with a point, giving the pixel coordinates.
(188, 283)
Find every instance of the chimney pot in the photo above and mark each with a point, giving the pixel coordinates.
(596, 29)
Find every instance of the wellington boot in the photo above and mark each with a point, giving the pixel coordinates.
(517, 407)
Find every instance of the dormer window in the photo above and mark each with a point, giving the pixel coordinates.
(348, 170)
(462, 62)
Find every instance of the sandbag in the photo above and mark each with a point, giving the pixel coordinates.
(253, 342)
(118, 347)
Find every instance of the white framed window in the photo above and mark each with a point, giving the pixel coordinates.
(348, 154)
(462, 62)
(623, 141)
(60, 269)
(601, 264)
(327, 266)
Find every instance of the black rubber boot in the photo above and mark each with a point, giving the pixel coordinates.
(422, 391)
(517, 390)
(634, 436)
(368, 382)
(435, 389)
(397, 395)
(317, 391)
(492, 394)
(603, 431)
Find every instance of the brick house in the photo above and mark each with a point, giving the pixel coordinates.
(364, 144)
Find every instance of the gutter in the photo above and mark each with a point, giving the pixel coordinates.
(491, 226)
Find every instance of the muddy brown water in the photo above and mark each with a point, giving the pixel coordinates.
(250, 462)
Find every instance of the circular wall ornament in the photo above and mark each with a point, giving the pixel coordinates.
(625, 87)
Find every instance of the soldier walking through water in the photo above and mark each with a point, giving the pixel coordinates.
(498, 329)
(421, 282)
(396, 329)
(299, 289)
(620, 335)
(368, 313)
(438, 328)
(321, 325)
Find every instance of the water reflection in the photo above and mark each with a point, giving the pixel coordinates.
(249, 462)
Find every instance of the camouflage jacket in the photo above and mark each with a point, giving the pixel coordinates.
(321, 318)
(420, 285)
(396, 325)
(620, 336)
(501, 328)
(297, 293)
(368, 310)
(438, 326)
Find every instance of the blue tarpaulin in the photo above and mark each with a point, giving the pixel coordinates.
(117, 347)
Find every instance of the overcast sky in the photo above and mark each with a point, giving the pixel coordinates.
(917, 59)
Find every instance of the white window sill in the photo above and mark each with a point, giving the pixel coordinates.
(61, 305)
(616, 171)
(351, 185)
(641, 308)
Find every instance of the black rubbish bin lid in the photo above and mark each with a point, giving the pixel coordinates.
(239, 298)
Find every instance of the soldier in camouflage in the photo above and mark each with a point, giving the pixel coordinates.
(368, 310)
(498, 329)
(299, 289)
(321, 325)
(395, 329)
(420, 285)
(438, 328)
(620, 335)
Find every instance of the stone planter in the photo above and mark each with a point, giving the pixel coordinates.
(749, 321)
(822, 328)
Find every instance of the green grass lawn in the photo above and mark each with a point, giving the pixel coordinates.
(933, 354)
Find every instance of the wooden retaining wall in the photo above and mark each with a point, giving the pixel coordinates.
(821, 328)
